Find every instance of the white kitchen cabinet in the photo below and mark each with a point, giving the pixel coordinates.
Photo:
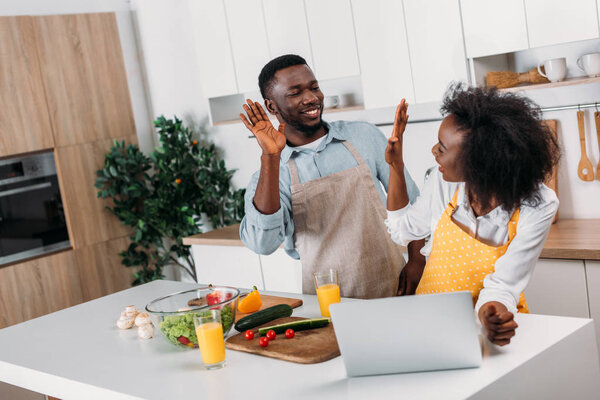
(493, 27)
(227, 265)
(281, 272)
(249, 43)
(287, 30)
(557, 21)
(435, 41)
(383, 52)
(592, 269)
(332, 40)
(558, 287)
(213, 50)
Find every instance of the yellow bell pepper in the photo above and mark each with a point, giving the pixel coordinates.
(250, 303)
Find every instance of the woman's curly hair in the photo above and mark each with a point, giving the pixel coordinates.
(507, 151)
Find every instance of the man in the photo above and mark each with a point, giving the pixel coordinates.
(319, 188)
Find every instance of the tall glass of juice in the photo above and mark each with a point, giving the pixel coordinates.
(328, 289)
(209, 332)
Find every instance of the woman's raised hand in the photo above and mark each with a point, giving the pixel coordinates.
(393, 151)
(270, 140)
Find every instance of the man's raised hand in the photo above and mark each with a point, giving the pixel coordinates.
(270, 140)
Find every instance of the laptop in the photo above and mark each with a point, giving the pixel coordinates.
(407, 334)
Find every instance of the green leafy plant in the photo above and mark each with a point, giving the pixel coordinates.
(163, 196)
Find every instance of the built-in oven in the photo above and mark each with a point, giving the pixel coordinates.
(32, 218)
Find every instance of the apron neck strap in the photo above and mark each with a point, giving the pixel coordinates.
(354, 152)
(294, 168)
(293, 171)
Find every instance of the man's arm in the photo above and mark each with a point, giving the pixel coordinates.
(264, 227)
(413, 270)
(272, 142)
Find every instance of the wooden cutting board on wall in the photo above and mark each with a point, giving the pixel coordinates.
(552, 181)
(306, 347)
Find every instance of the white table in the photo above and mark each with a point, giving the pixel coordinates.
(78, 353)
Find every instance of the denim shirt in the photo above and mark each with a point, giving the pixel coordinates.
(264, 233)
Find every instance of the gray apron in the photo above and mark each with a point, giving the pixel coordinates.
(338, 222)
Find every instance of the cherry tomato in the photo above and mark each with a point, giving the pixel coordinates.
(263, 341)
(271, 334)
(249, 335)
(289, 333)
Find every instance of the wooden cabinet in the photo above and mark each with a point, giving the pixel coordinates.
(592, 269)
(437, 52)
(100, 268)
(87, 219)
(213, 50)
(557, 21)
(493, 27)
(383, 50)
(558, 287)
(332, 38)
(24, 119)
(38, 287)
(84, 77)
(249, 43)
(287, 30)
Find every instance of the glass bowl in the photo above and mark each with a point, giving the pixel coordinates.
(173, 314)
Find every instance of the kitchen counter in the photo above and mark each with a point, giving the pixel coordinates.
(79, 353)
(577, 239)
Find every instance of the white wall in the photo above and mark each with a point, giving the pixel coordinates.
(169, 38)
(127, 32)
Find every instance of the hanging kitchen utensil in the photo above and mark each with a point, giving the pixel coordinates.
(585, 169)
(552, 181)
(597, 119)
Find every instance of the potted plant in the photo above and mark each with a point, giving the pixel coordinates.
(163, 197)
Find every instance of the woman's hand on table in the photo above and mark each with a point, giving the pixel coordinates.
(393, 151)
(498, 322)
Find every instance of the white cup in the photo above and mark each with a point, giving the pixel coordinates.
(590, 64)
(556, 69)
(331, 101)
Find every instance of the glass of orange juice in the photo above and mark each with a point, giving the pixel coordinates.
(209, 332)
(328, 289)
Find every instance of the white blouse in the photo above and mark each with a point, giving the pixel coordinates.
(514, 268)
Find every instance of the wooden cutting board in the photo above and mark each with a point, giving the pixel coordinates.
(306, 347)
(268, 301)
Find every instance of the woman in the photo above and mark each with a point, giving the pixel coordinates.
(486, 209)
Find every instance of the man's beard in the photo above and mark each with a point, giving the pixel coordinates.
(307, 131)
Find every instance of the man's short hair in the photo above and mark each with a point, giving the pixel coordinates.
(267, 74)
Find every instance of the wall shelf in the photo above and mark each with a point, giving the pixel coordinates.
(326, 111)
(566, 82)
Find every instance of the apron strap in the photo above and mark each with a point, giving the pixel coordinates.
(293, 171)
(294, 168)
(354, 152)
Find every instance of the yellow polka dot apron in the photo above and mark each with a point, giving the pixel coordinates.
(459, 262)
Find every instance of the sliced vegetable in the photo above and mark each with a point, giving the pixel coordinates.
(289, 333)
(263, 316)
(250, 303)
(217, 297)
(271, 335)
(300, 325)
(263, 341)
(249, 335)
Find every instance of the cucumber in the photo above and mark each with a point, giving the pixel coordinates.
(301, 325)
(263, 316)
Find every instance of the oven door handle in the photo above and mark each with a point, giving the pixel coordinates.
(25, 189)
